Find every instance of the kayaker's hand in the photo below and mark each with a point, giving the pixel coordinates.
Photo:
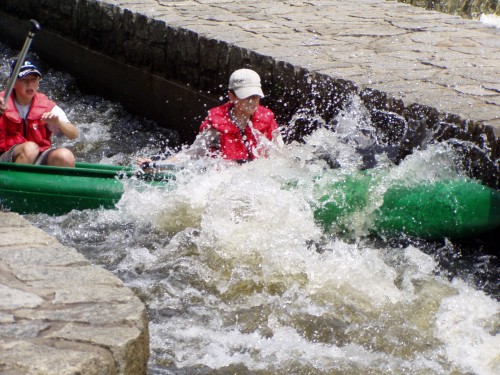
(51, 118)
(3, 107)
(142, 161)
(67, 128)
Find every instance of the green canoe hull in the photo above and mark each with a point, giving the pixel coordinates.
(454, 209)
(29, 189)
(445, 209)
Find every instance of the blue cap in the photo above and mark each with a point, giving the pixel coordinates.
(26, 68)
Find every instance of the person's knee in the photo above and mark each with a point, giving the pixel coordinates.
(30, 148)
(61, 157)
(26, 152)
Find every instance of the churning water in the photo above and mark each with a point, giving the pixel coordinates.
(238, 277)
(490, 19)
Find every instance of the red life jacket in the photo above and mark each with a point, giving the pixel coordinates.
(14, 130)
(232, 145)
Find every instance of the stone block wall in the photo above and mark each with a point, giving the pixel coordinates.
(157, 45)
(61, 315)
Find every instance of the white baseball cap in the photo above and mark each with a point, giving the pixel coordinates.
(245, 83)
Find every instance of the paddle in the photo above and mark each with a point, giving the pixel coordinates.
(148, 166)
(35, 26)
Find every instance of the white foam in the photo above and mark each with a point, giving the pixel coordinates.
(490, 19)
(468, 323)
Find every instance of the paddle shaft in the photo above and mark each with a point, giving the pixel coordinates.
(158, 166)
(35, 26)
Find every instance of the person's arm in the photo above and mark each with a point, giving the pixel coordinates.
(3, 107)
(273, 132)
(203, 143)
(200, 147)
(57, 120)
(143, 162)
(277, 138)
(2, 124)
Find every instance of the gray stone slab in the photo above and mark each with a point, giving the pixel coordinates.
(22, 330)
(121, 341)
(56, 255)
(72, 295)
(46, 360)
(9, 219)
(11, 299)
(24, 235)
(59, 314)
(6, 318)
(62, 277)
(93, 313)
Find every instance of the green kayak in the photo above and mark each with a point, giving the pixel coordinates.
(29, 189)
(455, 208)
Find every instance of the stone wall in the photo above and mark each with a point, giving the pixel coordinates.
(148, 39)
(61, 315)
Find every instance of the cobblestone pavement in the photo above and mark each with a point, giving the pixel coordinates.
(419, 56)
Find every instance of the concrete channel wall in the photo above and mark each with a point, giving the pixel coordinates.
(415, 70)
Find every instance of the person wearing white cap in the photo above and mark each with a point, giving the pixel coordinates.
(238, 130)
(27, 121)
(241, 129)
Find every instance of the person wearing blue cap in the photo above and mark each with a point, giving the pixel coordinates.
(27, 121)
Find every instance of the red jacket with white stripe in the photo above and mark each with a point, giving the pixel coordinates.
(14, 130)
(232, 145)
